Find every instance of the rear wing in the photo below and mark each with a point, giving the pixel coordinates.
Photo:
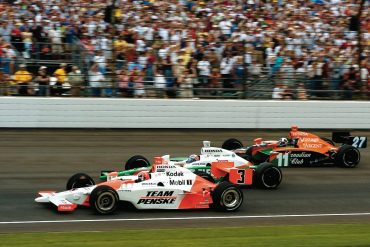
(346, 138)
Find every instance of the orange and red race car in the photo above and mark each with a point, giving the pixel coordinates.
(302, 149)
(165, 186)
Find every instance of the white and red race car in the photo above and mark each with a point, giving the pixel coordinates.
(166, 186)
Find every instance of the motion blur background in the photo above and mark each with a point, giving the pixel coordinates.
(243, 49)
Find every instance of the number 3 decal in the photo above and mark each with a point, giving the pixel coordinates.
(359, 141)
(242, 177)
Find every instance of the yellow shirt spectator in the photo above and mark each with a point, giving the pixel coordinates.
(61, 75)
(22, 76)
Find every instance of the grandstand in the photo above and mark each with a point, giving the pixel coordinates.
(253, 49)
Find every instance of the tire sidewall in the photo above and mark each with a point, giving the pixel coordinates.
(341, 156)
(260, 174)
(96, 198)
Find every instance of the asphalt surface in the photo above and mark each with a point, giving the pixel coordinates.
(33, 160)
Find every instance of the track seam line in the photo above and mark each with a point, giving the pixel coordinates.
(183, 218)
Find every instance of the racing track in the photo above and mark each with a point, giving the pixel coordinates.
(33, 160)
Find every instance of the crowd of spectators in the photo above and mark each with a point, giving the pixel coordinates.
(305, 47)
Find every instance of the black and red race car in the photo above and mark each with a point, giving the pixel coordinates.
(302, 149)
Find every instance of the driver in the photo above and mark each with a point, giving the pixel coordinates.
(192, 158)
(283, 142)
(142, 176)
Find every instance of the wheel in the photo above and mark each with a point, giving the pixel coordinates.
(205, 175)
(348, 156)
(231, 144)
(267, 176)
(79, 180)
(136, 162)
(227, 197)
(328, 141)
(104, 199)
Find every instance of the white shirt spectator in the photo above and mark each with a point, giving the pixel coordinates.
(96, 79)
(225, 27)
(226, 66)
(159, 81)
(204, 68)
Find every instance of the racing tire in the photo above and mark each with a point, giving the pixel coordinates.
(136, 161)
(328, 140)
(232, 144)
(79, 180)
(267, 176)
(347, 156)
(204, 175)
(227, 197)
(104, 200)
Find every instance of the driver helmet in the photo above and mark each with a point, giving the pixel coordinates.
(143, 175)
(283, 141)
(192, 158)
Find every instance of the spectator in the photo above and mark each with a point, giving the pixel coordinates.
(22, 78)
(138, 80)
(60, 78)
(278, 92)
(123, 83)
(160, 83)
(42, 81)
(75, 79)
(186, 82)
(301, 92)
(226, 68)
(96, 80)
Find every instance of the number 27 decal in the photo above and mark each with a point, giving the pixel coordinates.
(359, 142)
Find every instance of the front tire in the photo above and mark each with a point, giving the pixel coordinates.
(227, 197)
(232, 144)
(348, 156)
(136, 161)
(104, 199)
(267, 176)
(79, 180)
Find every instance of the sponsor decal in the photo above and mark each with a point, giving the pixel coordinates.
(158, 197)
(213, 150)
(199, 164)
(312, 145)
(157, 201)
(165, 166)
(181, 182)
(300, 155)
(296, 161)
(148, 184)
(174, 174)
(310, 139)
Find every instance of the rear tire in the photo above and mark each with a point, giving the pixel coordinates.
(232, 144)
(348, 156)
(227, 197)
(136, 161)
(79, 180)
(104, 199)
(267, 176)
(205, 175)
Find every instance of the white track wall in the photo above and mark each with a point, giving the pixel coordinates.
(165, 113)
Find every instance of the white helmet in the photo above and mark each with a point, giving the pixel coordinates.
(283, 141)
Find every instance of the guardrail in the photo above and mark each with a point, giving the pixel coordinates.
(35, 112)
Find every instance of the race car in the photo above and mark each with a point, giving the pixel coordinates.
(302, 149)
(264, 175)
(165, 186)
